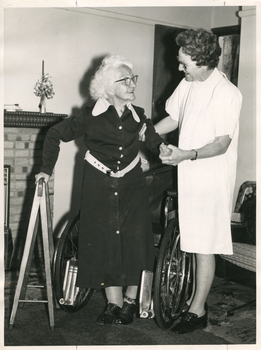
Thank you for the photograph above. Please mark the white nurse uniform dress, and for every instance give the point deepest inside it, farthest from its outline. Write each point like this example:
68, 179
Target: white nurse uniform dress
205, 110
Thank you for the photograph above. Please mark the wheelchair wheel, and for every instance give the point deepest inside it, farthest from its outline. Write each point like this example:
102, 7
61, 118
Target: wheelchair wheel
66, 253
172, 278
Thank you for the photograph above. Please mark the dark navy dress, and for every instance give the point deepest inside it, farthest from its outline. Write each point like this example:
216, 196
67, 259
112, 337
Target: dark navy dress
116, 239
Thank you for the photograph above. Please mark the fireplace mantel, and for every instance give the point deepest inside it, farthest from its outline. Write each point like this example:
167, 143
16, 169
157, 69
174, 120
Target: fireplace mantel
25, 119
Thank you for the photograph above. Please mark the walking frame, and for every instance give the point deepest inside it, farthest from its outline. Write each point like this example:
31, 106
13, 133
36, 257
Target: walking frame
41, 205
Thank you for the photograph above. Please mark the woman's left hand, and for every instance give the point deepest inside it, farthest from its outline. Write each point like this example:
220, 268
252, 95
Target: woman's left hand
175, 157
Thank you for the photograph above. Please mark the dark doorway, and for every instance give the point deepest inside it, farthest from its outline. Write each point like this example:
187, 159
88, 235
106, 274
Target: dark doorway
166, 77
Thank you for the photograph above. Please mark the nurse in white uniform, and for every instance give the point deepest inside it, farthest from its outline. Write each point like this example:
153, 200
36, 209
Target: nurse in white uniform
205, 107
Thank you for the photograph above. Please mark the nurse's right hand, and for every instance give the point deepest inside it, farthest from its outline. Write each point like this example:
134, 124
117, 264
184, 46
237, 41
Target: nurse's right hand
45, 176
174, 158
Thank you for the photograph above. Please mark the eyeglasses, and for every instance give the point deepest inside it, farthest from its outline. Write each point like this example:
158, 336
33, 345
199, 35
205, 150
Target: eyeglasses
184, 65
128, 80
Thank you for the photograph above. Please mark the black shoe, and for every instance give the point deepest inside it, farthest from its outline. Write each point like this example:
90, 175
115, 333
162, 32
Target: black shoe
126, 314
190, 322
109, 314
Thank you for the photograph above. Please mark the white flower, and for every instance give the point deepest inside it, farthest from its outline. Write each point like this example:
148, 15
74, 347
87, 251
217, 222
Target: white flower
44, 86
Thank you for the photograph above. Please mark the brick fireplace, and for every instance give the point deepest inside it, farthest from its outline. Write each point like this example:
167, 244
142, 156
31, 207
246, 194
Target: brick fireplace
24, 134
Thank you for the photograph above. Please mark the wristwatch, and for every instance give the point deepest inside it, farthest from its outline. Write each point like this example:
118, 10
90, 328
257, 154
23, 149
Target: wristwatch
196, 155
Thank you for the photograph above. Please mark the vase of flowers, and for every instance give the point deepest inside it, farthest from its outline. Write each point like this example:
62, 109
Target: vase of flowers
43, 89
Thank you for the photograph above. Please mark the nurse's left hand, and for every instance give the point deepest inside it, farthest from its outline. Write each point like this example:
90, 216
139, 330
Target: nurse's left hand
174, 158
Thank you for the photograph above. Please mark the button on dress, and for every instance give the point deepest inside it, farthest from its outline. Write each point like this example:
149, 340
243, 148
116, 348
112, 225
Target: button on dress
205, 110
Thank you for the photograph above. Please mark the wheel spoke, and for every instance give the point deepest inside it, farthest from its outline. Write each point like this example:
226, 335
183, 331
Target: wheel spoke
171, 278
67, 250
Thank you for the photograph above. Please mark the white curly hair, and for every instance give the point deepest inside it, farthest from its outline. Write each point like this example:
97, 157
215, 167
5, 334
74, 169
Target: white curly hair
102, 81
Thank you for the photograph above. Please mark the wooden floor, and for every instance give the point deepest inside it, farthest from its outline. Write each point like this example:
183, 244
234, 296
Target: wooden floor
31, 327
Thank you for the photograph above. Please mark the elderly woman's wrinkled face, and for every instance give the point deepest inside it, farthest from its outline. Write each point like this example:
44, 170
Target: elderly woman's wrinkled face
122, 92
191, 70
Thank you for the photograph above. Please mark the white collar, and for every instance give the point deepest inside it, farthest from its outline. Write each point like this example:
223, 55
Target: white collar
102, 105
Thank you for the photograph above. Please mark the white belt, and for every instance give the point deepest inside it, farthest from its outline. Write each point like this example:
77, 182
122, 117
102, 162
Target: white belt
103, 168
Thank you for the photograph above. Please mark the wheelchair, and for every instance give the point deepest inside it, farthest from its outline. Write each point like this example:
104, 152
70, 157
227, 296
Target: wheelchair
172, 277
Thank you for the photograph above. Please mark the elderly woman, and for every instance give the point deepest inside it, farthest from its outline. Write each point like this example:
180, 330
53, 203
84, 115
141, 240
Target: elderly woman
116, 239
205, 107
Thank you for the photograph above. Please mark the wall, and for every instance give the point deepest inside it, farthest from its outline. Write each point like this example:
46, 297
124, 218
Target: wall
71, 43
246, 169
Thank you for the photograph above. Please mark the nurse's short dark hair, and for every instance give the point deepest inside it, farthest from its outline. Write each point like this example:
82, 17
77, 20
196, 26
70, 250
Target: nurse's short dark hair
201, 45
